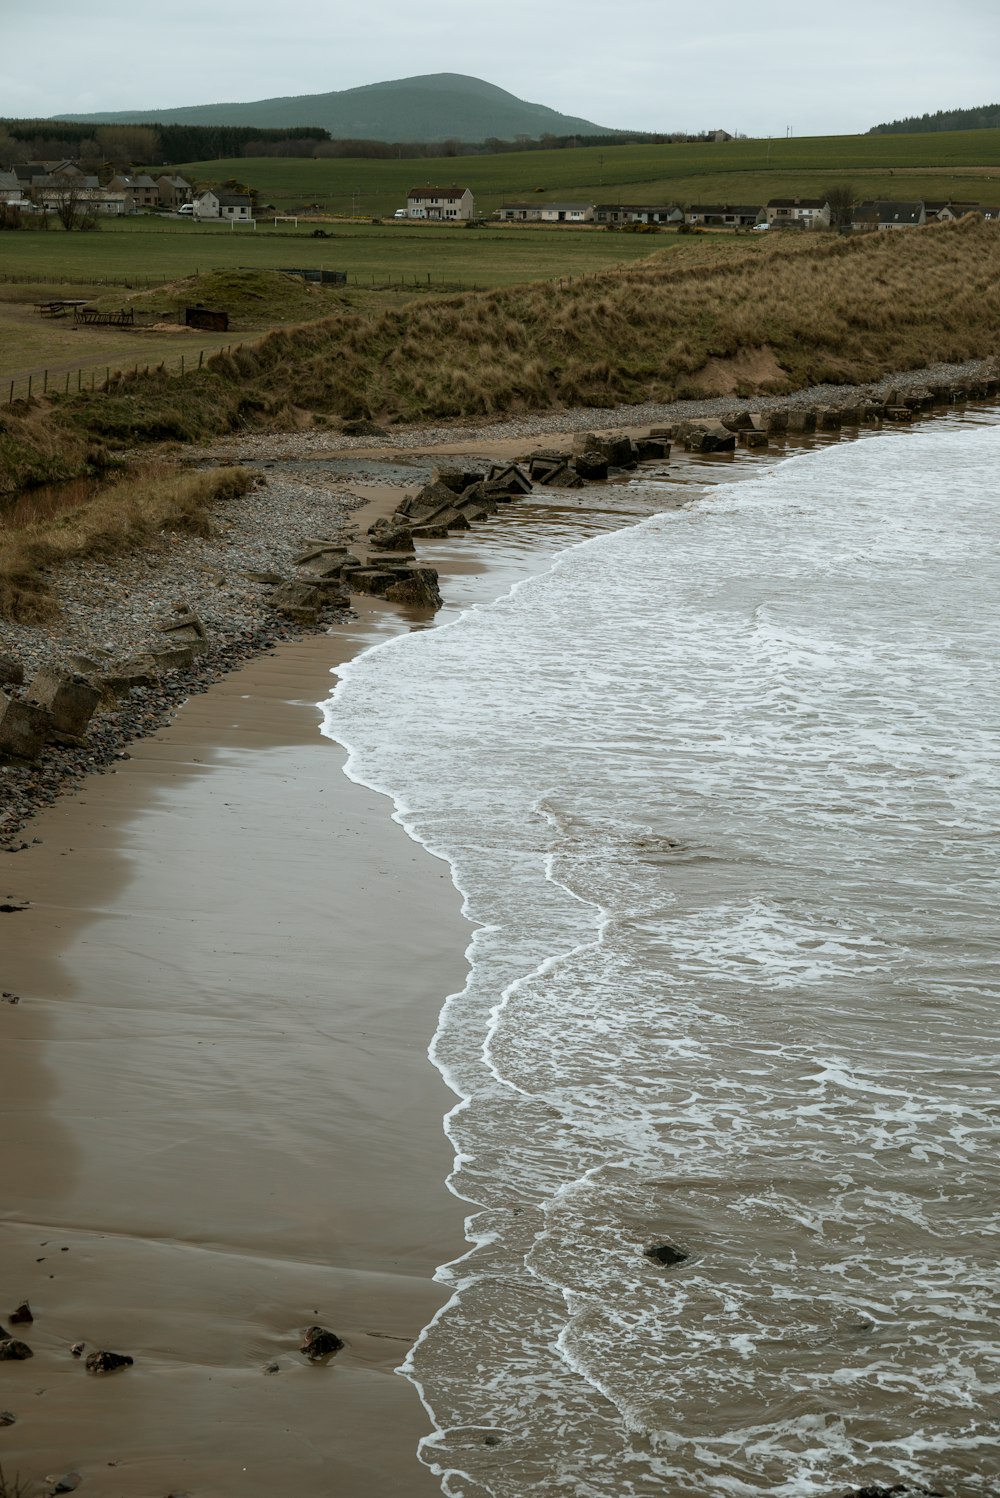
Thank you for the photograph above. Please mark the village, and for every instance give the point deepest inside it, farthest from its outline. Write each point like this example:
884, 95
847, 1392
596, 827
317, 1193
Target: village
48, 187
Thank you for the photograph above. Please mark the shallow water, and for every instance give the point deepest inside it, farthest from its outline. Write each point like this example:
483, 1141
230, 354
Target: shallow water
720, 793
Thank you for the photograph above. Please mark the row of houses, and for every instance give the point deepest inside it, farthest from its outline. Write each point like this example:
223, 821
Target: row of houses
797, 213
48, 184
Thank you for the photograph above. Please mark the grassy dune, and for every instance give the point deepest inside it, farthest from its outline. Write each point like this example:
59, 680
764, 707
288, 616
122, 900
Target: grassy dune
772, 317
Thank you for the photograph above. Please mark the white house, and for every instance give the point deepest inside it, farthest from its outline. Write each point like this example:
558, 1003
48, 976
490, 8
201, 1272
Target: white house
546, 213
811, 213
231, 207
448, 204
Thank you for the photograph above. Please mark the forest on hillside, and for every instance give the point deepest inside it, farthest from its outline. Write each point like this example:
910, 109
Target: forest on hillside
983, 117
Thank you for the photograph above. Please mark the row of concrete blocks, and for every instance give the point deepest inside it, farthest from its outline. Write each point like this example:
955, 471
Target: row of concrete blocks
56, 706
332, 573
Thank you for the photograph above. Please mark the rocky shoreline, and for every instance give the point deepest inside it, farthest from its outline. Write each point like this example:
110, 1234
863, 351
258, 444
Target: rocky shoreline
114, 610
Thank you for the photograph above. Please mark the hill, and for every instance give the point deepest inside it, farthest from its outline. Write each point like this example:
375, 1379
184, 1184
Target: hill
434, 106
983, 117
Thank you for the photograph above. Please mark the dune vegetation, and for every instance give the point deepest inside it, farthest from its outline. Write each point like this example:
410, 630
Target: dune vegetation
817, 308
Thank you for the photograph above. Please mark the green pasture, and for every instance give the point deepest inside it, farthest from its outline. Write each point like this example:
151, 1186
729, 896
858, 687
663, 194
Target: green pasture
950, 164
150, 250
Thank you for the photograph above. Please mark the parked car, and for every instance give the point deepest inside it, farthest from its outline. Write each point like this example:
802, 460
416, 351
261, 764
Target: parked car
186, 209
400, 213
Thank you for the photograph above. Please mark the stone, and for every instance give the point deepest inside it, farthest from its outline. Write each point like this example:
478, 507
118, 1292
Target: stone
77, 1348
652, 449
449, 517
801, 421
426, 500
591, 465
457, 479
173, 657
69, 697
828, 419
618, 451
417, 588
388, 535
663, 434
666, 1254
22, 1315
561, 476
363, 428
738, 421
429, 532
898, 413
11, 672
300, 602
585, 442
267, 579
707, 437
319, 1343
753, 438
871, 412
68, 1483
24, 727
186, 627
139, 672
107, 1362
323, 561
850, 416
776, 420
507, 478
13, 1351
6, 1418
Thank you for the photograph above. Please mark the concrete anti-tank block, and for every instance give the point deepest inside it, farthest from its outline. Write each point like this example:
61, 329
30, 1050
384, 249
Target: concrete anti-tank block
24, 727
69, 697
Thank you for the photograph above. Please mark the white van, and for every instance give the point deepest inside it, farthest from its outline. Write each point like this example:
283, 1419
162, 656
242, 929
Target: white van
186, 209
400, 213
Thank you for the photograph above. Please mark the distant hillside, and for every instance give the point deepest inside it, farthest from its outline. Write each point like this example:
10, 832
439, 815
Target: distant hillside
434, 107
984, 117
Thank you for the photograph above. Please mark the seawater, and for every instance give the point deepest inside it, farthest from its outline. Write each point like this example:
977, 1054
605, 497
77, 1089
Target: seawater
720, 793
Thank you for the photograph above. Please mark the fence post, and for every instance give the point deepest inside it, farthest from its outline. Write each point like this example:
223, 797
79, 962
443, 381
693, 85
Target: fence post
11, 401
201, 358
67, 382
79, 381
45, 383
182, 364
29, 387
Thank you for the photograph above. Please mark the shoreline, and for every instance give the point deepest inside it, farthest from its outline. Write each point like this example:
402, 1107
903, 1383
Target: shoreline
156, 1018
340, 506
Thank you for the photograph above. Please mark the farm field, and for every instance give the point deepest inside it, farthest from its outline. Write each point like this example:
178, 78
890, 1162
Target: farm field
384, 263
952, 164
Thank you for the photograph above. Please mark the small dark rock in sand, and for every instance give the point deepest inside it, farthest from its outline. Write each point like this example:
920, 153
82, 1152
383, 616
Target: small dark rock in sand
107, 1362
8, 908
77, 1348
23, 1312
666, 1253
68, 1483
6, 1418
13, 1351
318, 1343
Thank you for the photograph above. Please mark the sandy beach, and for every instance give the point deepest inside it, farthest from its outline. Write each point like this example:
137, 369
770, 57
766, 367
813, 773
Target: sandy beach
221, 1123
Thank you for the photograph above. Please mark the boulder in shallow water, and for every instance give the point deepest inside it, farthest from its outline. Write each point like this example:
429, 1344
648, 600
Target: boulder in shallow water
11, 672
107, 1362
666, 1254
319, 1343
13, 1351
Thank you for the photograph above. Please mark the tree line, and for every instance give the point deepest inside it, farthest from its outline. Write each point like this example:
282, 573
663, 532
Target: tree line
122, 146
983, 117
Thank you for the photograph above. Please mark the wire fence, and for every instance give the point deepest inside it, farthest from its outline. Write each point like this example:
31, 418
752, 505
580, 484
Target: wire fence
41, 383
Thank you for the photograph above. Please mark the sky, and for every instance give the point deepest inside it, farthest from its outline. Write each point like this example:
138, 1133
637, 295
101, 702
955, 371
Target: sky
753, 67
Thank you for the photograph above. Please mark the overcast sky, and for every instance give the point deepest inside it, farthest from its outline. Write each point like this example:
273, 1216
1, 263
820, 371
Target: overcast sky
759, 67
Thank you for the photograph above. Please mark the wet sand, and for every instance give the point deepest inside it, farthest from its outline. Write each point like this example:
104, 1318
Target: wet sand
221, 1124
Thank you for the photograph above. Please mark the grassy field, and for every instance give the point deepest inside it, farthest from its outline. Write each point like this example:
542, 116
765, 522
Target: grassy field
770, 313
145, 258
951, 164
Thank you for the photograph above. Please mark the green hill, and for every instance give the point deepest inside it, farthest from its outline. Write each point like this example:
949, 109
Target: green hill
435, 106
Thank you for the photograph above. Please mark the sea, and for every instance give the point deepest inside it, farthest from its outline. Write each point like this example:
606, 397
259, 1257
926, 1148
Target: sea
718, 788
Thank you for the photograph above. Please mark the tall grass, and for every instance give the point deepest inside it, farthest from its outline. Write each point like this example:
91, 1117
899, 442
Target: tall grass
133, 511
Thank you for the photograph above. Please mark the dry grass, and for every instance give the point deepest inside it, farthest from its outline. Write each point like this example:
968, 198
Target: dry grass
799, 310
122, 516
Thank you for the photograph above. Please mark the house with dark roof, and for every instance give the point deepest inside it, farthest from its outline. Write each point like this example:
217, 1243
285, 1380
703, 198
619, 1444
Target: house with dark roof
805, 213
10, 188
444, 204
141, 190
173, 191
231, 207
638, 213
724, 215
885, 213
546, 213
